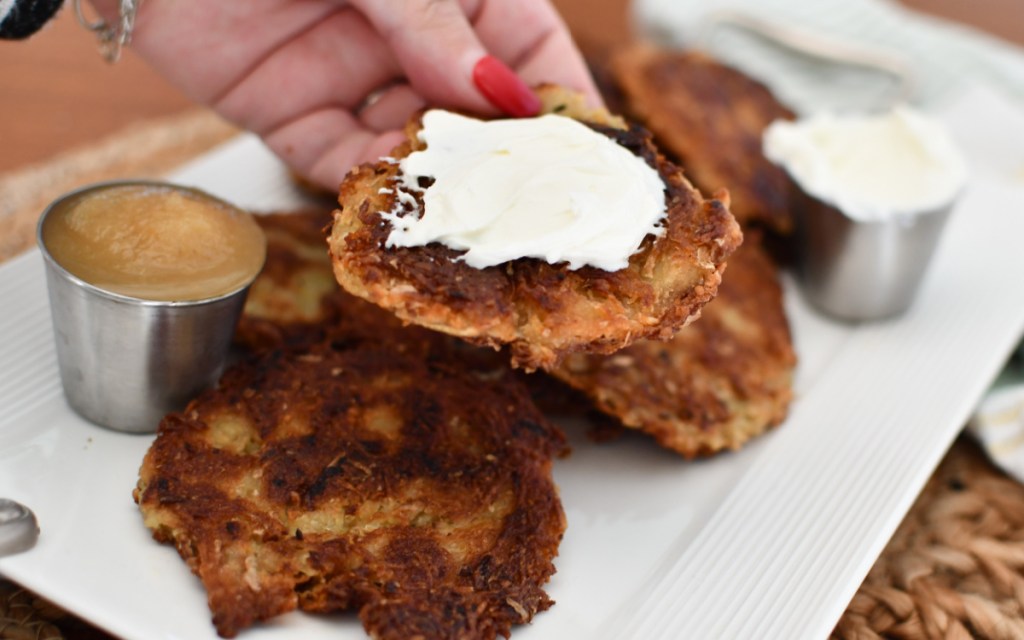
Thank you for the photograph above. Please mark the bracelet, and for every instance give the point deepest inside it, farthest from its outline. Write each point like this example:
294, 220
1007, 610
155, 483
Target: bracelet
112, 37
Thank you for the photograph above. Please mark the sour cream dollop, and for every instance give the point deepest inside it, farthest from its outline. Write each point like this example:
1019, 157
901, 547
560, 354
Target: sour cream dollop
549, 188
870, 167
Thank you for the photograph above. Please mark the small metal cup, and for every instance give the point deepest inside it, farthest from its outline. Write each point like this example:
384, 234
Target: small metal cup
863, 270
126, 362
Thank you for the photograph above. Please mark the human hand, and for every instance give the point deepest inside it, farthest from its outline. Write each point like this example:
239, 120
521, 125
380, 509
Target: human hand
328, 84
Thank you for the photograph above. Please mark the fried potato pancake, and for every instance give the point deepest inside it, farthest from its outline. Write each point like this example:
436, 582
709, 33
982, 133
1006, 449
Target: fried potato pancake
709, 118
296, 302
353, 477
721, 381
291, 300
731, 370
542, 311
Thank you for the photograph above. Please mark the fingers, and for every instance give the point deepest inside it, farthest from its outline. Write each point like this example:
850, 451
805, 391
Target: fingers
331, 168
206, 48
531, 37
504, 89
337, 61
436, 46
391, 108
556, 60
441, 55
323, 145
295, 71
445, 57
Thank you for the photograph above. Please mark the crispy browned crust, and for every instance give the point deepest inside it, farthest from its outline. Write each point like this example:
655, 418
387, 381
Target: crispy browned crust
296, 302
542, 311
352, 477
291, 300
718, 383
709, 118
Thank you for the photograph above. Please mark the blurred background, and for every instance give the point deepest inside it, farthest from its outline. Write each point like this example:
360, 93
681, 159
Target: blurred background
56, 93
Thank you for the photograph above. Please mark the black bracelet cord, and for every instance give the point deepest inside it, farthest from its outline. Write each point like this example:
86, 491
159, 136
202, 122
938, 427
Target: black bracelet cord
26, 17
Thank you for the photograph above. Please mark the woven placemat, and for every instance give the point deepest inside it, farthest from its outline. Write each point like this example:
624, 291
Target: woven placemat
954, 569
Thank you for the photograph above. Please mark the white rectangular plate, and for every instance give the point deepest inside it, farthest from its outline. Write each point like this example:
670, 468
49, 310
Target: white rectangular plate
770, 542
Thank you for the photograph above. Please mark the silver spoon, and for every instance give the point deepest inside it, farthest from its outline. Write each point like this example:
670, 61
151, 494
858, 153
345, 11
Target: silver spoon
19, 529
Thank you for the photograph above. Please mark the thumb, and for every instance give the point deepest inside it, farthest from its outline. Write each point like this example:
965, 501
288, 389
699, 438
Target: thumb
444, 60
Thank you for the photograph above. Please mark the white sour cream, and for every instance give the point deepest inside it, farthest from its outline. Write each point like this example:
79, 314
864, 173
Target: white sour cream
870, 167
549, 188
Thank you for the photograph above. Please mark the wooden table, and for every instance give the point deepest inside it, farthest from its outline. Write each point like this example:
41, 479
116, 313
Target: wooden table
56, 93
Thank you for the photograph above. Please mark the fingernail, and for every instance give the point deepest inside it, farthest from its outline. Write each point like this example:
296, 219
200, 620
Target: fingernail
504, 89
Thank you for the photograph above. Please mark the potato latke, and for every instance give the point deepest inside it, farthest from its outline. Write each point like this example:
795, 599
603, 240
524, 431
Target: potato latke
709, 118
721, 381
542, 311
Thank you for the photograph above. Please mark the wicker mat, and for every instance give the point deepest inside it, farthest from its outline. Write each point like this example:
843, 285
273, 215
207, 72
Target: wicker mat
954, 569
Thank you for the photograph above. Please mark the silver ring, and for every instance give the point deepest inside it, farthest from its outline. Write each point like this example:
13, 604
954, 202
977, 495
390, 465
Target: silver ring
112, 38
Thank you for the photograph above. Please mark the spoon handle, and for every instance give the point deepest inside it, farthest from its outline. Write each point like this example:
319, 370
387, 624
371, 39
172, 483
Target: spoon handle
19, 529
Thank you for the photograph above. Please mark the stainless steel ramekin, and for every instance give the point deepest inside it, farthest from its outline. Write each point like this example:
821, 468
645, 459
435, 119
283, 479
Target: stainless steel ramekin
126, 362
863, 270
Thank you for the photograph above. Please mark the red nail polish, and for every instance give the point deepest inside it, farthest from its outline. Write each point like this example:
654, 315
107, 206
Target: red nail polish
504, 89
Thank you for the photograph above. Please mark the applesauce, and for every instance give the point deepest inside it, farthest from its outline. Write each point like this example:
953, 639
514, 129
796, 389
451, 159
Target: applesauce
155, 242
